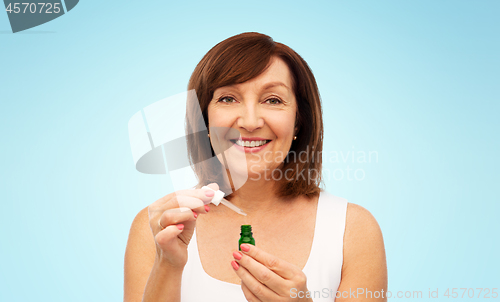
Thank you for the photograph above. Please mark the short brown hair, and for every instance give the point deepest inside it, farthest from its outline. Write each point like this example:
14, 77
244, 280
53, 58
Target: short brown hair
241, 58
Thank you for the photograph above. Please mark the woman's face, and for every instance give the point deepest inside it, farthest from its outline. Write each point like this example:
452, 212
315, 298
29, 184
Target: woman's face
263, 111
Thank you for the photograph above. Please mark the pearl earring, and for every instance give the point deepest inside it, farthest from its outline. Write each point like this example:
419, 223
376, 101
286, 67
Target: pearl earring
209, 135
295, 137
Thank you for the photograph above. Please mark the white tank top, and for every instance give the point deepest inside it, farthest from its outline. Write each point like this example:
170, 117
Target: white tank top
323, 268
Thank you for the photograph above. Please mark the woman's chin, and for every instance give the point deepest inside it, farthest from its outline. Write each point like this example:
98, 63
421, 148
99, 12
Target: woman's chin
258, 172
250, 172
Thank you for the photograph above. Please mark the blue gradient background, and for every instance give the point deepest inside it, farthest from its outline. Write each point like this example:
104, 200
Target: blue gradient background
415, 81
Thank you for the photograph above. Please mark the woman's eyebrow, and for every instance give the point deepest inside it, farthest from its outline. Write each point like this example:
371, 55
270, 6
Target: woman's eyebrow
265, 87
274, 84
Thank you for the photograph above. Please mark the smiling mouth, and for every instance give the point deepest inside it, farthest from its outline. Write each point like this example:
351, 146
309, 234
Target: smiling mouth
250, 144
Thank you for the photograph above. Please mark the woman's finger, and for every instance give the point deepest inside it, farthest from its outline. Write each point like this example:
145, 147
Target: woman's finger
281, 267
184, 201
167, 237
256, 288
214, 186
263, 274
248, 294
170, 200
192, 203
176, 216
180, 201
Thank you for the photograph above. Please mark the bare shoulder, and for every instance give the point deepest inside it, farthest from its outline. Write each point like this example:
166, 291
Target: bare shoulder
360, 223
141, 238
364, 263
141, 218
362, 233
139, 256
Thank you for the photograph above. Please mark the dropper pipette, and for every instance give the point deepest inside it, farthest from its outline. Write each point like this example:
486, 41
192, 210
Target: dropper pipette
218, 198
233, 207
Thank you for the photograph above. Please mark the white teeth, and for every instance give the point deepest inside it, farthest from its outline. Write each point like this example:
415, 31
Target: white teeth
250, 144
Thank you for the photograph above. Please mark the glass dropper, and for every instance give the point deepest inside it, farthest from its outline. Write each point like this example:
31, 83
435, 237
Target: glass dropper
219, 198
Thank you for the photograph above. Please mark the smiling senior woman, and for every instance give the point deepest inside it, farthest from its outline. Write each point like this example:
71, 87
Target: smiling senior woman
311, 245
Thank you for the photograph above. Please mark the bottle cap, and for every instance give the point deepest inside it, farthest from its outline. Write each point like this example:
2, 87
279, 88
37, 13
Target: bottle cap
217, 197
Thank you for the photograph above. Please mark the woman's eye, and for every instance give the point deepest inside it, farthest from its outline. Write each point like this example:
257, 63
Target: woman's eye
227, 99
274, 101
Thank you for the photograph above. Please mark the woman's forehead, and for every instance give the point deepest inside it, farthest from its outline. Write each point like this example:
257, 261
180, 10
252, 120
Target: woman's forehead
276, 76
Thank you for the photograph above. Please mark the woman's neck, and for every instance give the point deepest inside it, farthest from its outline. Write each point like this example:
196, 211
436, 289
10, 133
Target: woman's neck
259, 197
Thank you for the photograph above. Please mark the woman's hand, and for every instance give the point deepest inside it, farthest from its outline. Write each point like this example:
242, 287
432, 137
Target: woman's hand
172, 219
265, 277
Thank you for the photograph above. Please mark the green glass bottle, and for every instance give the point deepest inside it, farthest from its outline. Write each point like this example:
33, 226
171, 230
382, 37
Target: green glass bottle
246, 236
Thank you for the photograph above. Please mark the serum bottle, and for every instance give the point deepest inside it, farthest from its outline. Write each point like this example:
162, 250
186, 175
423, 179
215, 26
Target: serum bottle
246, 236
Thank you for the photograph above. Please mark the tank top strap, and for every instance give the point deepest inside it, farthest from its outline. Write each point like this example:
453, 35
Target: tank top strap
324, 267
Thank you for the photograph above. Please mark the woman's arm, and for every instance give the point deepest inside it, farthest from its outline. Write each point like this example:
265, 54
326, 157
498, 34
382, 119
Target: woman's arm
364, 269
147, 278
157, 246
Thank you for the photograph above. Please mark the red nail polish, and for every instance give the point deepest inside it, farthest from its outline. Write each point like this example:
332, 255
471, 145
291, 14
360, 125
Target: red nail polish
235, 265
195, 214
207, 208
245, 247
237, 255
180, 226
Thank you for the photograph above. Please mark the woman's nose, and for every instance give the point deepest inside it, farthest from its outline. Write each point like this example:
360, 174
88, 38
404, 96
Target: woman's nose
250, 119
